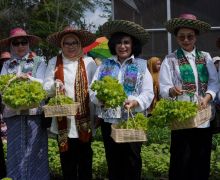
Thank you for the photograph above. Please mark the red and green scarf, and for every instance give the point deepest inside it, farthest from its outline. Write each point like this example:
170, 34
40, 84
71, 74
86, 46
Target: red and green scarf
186, 72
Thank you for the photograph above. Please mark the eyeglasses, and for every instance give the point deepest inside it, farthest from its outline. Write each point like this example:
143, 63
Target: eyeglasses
189, 37
17, 43
69, 44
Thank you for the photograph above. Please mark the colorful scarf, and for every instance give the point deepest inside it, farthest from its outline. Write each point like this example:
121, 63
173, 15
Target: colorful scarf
81, 96
187, 76
111, 68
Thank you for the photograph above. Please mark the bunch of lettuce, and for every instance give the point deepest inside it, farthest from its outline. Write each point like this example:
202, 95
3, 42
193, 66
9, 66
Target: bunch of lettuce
4, 79
24, 94
166, 111
109, 91
139, 122
60, 100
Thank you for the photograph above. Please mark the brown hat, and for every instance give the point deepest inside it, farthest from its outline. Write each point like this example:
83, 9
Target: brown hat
125, 26
19, 32
188, 21
85, 37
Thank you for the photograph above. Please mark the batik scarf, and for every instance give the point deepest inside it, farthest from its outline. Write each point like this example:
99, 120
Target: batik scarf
81, 96
187, 76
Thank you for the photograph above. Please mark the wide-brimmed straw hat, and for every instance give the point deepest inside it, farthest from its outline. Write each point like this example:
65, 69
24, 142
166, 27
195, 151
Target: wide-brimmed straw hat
5, 55
85, 37
19, 32
188, 21
128, 27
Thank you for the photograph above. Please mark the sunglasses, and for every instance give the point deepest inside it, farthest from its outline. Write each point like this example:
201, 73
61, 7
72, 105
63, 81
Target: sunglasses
189, 37
68, 44
17, 43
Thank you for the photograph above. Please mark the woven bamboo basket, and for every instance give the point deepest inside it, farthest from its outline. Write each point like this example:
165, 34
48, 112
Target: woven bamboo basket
201, 117
127, 135
61, 110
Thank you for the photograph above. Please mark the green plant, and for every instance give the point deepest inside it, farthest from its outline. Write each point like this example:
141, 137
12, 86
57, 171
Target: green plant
4, 79
155, 160
60, 100
109, 91
139, 122
23, 93
54, 157
166, 111
99, 166
158, 135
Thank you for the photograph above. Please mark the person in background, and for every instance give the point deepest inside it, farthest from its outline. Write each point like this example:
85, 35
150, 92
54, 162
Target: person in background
73, 73
27, 145
189, 74
153, 65
126, 39
4, 57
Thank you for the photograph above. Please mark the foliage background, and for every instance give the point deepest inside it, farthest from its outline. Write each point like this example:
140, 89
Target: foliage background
43, 17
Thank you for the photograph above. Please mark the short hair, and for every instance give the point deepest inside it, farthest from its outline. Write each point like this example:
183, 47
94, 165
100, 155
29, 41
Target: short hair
117, 37
177, 29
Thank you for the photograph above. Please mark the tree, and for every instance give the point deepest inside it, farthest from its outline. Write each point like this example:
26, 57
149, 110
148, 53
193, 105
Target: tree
43, 17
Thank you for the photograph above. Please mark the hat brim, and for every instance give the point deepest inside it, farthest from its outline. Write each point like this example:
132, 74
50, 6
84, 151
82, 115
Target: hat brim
175, 23
85, 37
127, 27
33, 40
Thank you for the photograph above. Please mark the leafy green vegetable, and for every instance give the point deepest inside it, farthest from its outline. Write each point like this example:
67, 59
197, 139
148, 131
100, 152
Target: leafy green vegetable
167, 111
60, 100
109, 91
139, 122
4, 79
23, 93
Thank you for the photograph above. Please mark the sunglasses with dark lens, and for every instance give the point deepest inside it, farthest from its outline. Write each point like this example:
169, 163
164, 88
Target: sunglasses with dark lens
17, 43
190, 37
68, 44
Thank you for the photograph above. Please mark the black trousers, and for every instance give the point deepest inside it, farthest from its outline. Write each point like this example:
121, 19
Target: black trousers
123, 159
190, 154
2, 161
76, 163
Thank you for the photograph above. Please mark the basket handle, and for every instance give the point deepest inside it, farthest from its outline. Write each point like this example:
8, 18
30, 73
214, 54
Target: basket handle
129, 112
9, 82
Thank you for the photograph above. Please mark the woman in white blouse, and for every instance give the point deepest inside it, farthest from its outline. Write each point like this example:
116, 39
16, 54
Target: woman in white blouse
73, 73
185, 75
125, 43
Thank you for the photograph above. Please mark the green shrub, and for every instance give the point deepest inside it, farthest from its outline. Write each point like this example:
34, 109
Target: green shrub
155, 160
